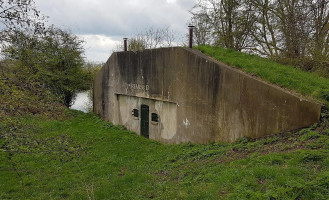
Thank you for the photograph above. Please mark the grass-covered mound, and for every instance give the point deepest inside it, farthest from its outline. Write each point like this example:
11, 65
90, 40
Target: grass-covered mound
50, 152
84, 157
292, 78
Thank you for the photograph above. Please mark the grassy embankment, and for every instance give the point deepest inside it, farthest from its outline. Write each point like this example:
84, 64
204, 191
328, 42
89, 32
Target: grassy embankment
291, 78
84, 157
48, 152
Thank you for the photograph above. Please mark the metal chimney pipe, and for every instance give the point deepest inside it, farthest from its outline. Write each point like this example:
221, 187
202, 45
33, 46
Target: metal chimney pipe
125, 43
191, 35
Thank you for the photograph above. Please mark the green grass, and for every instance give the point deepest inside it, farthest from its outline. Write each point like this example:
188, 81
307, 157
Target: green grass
84, 157
304, 83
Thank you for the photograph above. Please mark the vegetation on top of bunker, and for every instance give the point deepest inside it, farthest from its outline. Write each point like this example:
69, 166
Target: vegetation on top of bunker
289, 77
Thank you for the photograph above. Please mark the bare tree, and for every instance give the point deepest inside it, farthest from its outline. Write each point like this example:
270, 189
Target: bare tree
227, 22
20, 13
203, 30
264, 34
168, 37
293, 21
320, 22
291, 31
151, 38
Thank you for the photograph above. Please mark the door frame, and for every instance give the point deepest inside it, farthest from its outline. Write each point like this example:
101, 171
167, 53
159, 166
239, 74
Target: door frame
145, 122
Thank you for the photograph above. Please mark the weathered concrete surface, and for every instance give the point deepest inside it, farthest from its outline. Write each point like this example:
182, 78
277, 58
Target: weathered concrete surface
197, 98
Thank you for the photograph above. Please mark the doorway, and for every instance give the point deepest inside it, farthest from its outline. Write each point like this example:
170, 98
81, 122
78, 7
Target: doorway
145, 121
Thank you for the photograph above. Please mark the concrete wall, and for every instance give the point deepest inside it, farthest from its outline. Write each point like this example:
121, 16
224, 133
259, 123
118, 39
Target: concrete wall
163, 130
197, 98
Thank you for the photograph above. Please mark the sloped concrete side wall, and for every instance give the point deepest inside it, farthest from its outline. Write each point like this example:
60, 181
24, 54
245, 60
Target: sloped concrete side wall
213, 102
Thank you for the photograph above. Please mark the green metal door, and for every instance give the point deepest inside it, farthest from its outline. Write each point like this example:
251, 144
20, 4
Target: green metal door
145, 121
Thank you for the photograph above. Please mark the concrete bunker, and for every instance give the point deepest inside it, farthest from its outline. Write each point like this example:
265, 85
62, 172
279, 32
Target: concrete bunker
179, 95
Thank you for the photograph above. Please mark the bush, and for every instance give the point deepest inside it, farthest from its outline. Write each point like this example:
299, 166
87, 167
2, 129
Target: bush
53, 59
19, 95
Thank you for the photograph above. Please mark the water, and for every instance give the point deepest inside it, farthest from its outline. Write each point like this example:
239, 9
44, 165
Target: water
82, 102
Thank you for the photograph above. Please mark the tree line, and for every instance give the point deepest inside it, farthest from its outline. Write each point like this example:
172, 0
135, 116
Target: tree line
47, 55
294, 32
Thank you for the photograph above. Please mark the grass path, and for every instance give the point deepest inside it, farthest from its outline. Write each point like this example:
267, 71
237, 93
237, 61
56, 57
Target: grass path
87, 158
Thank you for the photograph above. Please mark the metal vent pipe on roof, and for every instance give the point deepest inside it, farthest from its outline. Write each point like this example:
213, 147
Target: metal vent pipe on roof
125, 43
191, 35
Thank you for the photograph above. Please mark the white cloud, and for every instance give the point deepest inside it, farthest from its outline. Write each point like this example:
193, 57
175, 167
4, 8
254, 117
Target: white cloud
98, 47
171, 1
115, 18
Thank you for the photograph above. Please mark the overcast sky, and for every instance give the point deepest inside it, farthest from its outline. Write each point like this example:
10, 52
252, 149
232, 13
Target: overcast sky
103, 23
